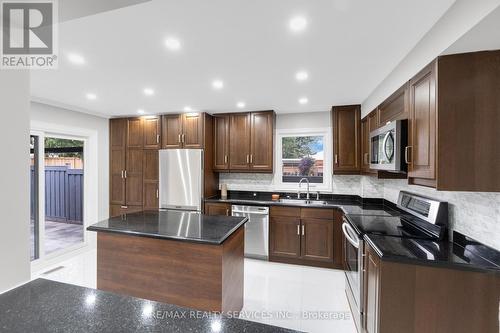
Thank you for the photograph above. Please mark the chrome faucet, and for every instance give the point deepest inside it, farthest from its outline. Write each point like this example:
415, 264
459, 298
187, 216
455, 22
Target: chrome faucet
300, 183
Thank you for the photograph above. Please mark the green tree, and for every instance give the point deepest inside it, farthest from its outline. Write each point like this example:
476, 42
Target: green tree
63, 143
298, 146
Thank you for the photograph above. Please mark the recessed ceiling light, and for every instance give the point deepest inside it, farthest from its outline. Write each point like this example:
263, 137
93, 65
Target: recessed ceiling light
187, 109
76, 59
298, 23
148, 92
301, 75
303, 100
218, 84
141, 111
91, 96
173, 44
240, 105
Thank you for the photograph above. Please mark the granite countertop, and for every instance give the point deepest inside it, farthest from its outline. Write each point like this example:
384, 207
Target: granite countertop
433, 253
173, 224
347, 203
47, 306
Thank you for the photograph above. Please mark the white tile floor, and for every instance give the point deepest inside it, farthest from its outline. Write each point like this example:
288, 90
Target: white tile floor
284, 295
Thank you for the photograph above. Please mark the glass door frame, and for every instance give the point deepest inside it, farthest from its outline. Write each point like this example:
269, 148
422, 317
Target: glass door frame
42, 256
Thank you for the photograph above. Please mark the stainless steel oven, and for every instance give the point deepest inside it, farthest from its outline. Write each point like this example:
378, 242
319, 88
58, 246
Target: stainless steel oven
353, 265
388, 147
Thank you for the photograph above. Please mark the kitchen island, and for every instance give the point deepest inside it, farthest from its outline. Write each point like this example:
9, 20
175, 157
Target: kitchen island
177, 257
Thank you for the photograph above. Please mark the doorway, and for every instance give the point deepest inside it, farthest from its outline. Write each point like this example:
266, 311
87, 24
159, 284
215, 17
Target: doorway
57, 195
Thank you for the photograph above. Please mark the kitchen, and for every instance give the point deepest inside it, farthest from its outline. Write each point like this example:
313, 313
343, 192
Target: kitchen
372, 212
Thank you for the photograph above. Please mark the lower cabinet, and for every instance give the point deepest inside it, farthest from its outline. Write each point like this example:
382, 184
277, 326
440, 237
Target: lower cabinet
217, 208
305, 236
410, 298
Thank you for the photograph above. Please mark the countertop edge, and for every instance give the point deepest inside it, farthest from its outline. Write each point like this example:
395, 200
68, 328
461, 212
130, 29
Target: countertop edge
179, 239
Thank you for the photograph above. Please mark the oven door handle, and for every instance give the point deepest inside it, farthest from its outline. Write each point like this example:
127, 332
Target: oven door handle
348, 236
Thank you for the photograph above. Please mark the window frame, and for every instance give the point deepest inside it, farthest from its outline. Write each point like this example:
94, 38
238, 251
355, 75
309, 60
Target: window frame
327, 162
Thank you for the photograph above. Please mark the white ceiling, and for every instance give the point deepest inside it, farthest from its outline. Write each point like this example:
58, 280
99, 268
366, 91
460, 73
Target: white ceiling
348, 48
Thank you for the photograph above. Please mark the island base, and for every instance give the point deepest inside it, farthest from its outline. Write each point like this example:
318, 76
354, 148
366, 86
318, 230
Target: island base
195, 275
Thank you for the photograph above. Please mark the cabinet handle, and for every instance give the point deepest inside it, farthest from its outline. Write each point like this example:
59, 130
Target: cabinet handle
125, 173
122, 175
336, 159
180, 138
407, 154
225, 159
123, 207
157, 193
158, 138
227, 211
183, 138
298, 229
251, 158
248, 159
303, 230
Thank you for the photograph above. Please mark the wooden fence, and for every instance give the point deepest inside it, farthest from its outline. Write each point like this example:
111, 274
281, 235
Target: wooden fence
63, 194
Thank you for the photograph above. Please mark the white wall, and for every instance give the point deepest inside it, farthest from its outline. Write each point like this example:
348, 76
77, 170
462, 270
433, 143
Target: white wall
14, 176
459, 19
55, 117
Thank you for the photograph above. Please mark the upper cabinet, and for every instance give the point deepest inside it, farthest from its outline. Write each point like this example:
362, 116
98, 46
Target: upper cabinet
221, 142
395, 107
454, 119
346, 139
244, 142
183, 130
135, 133
152, 132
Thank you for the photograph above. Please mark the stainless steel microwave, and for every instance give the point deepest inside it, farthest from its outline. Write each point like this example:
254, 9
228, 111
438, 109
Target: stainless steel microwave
387, 146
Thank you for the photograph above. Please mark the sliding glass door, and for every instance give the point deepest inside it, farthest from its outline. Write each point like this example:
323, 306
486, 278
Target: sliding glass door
57, 195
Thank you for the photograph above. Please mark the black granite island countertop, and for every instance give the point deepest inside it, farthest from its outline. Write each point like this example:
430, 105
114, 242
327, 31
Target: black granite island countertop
174, 225
47, 306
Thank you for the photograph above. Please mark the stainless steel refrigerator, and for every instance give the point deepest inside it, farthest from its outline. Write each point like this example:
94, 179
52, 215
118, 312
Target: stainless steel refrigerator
181, 179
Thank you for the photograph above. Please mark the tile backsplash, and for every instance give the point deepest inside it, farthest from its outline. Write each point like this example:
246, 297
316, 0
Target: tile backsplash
475, 214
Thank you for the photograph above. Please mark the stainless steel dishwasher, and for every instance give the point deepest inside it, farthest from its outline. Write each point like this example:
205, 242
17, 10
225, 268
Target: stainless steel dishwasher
256, 230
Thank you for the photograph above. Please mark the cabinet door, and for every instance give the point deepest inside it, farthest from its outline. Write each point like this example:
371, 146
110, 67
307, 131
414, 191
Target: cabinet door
152, 129
133, 177
346, 139
262, 141
150, 179
338, 236
365, 145
135, 133
117, 163
171, 131
216, 208
371, 292
423, 121
317, 239
395, 107
239, 143
284, 237
117, 210
192, 130
221, 142
373, 120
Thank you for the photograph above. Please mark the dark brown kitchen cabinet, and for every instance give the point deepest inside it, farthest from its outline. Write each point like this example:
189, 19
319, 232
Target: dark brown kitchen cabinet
117, 210
405, 297
150, 179
152, 132
117, 163
221, 142
305, 236
423, 122
373, 120
284, 237
217, 208
135, 133
346, 139
395, 107
365, 146
261, 141
183, 130
133, 177
239, 141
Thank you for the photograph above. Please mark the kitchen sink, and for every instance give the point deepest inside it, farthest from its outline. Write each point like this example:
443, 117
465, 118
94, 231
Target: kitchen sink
303, 202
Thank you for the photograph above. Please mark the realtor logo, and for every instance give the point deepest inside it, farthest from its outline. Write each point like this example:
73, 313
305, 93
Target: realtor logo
29, 34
